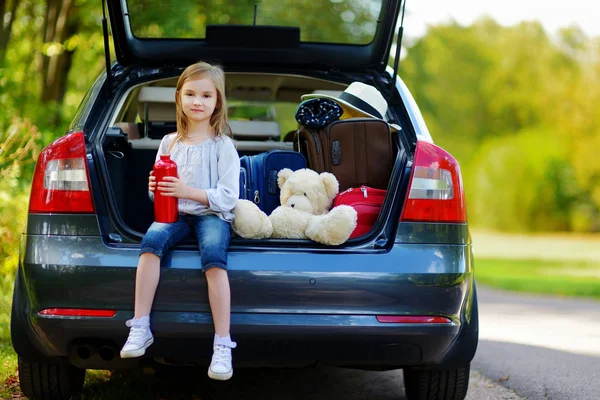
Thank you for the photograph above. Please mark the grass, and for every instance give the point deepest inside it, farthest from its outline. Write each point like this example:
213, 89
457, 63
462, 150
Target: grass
576, 279
540, 246
8, 358
558, 263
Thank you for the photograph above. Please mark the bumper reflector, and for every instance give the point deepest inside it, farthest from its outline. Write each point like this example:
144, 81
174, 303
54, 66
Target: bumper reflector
78, 312
412, 319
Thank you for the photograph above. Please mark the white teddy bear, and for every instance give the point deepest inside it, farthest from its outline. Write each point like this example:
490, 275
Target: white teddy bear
305, 198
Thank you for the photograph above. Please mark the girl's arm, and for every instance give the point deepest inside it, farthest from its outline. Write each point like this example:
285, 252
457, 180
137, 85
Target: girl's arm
224, 197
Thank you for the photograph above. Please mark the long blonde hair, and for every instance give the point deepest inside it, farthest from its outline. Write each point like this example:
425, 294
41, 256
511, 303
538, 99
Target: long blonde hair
218, 119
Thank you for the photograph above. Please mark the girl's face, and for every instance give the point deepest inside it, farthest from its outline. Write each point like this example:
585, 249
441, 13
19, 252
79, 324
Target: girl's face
198, 99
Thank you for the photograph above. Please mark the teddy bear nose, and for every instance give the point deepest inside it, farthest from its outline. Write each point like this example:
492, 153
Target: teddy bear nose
292, 205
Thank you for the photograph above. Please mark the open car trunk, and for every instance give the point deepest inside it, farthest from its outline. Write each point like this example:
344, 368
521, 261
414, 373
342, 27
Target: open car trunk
319, 34
131, 140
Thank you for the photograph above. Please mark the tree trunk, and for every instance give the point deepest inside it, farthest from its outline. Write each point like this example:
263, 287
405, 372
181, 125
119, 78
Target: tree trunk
60, 23
6, 26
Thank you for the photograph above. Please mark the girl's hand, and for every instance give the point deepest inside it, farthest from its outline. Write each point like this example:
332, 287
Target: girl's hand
151, 182
172, 186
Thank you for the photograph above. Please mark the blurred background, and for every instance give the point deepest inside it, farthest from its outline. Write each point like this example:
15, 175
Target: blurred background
509, 88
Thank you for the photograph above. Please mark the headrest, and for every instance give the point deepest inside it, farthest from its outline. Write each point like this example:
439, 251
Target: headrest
160, 102
254, 130
157, 94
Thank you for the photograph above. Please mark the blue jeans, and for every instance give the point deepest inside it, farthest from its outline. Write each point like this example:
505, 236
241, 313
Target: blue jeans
212, 234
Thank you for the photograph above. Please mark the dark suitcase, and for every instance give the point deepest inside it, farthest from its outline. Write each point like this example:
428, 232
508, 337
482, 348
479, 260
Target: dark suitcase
261, 172
358, 151
367, 202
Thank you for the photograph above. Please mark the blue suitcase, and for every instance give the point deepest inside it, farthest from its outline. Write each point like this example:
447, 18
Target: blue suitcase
261, 176
243, 180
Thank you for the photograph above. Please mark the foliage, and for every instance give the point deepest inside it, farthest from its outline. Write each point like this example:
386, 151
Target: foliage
526, 179
482, 87
18, 151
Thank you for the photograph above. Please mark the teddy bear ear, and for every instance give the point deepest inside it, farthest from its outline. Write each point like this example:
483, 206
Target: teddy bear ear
331, 184
283, 176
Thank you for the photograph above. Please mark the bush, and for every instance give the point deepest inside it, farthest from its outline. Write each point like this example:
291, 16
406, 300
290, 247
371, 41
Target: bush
522, 182
18, 152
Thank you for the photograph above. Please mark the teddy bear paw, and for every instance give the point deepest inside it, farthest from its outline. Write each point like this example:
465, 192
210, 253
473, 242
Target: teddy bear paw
250, 222
335, 228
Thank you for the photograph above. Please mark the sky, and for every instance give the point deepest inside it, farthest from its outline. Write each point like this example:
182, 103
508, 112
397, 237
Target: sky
553, 14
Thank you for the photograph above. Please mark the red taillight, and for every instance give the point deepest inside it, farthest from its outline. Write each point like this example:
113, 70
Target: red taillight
412, 319
60, 182
436, 190
78, 312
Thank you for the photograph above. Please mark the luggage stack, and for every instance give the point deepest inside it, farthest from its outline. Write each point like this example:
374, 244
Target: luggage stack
259, 184
360, 152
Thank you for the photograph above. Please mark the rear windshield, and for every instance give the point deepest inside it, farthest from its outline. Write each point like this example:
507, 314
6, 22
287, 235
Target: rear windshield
323, 21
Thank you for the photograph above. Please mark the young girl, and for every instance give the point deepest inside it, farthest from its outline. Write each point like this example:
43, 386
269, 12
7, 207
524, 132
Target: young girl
207, 188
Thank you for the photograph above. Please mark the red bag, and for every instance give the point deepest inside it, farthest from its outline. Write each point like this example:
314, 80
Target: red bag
367, 202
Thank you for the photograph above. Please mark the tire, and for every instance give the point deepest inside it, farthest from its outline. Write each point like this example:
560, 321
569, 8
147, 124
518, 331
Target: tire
436, 384
45, 381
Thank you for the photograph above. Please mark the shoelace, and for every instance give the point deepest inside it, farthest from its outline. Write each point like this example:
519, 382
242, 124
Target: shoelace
136, 334
221, 355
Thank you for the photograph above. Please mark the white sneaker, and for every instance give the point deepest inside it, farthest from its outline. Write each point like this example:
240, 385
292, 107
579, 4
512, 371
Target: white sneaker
220, 366
140, 338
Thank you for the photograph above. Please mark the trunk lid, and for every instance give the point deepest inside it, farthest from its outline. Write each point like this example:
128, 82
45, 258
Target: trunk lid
341, 34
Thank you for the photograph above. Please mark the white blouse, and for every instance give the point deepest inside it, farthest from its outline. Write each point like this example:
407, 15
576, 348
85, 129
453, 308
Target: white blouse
213, 165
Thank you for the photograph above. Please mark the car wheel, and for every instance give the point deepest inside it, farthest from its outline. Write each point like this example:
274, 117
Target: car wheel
436, 384
40, 380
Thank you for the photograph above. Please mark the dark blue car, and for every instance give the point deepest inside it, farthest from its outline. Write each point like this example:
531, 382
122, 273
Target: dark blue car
402, 296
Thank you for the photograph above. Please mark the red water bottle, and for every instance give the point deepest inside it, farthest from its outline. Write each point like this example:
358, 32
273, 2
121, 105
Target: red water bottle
165, 207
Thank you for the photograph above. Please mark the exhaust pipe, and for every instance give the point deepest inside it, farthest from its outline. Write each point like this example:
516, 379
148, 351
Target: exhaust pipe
85, 351
97, 354
107, 353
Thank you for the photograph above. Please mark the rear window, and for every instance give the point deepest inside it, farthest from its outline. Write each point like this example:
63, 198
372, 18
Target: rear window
323, 21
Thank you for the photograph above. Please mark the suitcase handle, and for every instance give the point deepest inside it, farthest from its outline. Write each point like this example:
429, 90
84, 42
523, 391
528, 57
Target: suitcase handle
272, 182
336, 152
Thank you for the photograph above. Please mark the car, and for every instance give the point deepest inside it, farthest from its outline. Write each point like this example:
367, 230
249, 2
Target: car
402, 296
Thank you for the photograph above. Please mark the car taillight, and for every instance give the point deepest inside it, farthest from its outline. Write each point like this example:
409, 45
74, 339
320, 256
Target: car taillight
436, 191
60, 181
78, 312
412, 319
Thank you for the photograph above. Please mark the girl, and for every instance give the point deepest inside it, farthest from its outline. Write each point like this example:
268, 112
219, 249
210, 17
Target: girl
207, 188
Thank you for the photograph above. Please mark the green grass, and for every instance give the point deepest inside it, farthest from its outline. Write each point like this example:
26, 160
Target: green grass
8, 358
537, 246
563, 278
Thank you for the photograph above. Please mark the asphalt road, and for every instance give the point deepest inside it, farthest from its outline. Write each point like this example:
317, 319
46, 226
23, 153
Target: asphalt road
320, 383
533, 347
542, 347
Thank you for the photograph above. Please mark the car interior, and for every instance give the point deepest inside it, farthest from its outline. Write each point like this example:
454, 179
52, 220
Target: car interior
261, 111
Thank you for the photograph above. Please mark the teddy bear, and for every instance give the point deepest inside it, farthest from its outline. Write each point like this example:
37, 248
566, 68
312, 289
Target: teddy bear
304, 213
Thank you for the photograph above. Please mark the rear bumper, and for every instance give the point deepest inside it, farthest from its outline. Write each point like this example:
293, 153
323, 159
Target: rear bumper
263, 339
297, 308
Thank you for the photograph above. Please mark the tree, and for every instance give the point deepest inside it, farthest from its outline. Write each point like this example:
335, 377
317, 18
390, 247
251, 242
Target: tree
60, 23
6, 23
